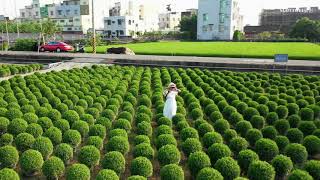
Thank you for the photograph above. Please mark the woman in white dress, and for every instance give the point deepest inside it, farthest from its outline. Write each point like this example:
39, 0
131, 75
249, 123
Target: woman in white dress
170, 107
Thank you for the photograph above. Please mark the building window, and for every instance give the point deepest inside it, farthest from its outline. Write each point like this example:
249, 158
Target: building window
221, 17
204, 29
37, 13
167, 25
129, 22
36, 5
109, 22
67, 12
62, 20
113, 22
221, 28
51, 13
70, 20
59, 12
121, 32
210, 27
119, 21
76, 12
76, 19
205, 17
23, 14
69, 29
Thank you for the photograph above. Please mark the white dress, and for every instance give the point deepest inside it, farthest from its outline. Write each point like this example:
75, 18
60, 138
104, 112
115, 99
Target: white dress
170, 107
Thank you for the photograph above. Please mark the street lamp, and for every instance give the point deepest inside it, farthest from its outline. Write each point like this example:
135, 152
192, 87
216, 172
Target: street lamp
94, 48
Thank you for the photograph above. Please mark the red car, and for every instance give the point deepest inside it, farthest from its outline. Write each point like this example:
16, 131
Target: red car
56, 46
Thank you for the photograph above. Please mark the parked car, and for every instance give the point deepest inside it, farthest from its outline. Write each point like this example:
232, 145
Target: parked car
56, 46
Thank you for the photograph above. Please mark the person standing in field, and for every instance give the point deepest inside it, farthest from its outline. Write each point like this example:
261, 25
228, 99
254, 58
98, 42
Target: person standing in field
170, 107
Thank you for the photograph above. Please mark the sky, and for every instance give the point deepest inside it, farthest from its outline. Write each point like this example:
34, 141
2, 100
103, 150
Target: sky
249, 8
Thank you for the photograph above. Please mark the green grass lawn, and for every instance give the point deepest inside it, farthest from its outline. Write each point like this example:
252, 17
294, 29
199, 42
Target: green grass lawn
308, 51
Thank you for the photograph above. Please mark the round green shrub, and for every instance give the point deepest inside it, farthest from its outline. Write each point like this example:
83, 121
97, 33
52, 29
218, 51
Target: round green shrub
44, 146
312, 144
217, 151
238, 144
177, 118
53, 168
144, 128
294, 120
115, 161
45, 122
140, 117
54, 115
257, 122
24, 141
211, 138
221, 125
17, 126
88, 118
266, 149
98, 130
9, 156
272, 117
197, 161
4, 122
246, 157
64, 152
141, 166
253, 135
209, 173
313, 168
72, 137
122, 124
118, 143
8, 174
141, 139
136, 177
35, 130
95, 141
144, 150
13, 113
118, 132
191, 145
299, 175
229, 134
282, 126
234, 118
228, 168
198, 122
164, 121
168, 154
89, 156
71, 116
282, 165
261, 170
297, 153
282, 142
31, 161
107, 174
196, 113
205, 128
82, 127
243, 127
307, 114
307, 127
282, 112
189, 133
172, 172
295, 135
165, 139
62, 124
6, 139
269, 132
182, 124
54, 134
77, 172
163, 129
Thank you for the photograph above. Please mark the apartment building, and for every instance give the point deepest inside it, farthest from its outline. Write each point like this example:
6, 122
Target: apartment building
169, 21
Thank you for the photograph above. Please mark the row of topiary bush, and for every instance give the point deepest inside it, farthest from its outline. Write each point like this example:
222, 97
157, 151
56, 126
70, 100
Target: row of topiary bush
10, 69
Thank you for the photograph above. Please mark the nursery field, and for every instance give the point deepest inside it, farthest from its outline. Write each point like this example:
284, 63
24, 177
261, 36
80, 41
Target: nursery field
302, 51
106, 123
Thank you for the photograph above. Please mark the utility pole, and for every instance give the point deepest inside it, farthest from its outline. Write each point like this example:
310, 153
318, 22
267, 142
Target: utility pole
17, 22
8, 40
94, 48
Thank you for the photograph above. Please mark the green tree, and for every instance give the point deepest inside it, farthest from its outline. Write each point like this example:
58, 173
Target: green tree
264, 35
189, 26
90, 39
306, 28
49, 29
238, 36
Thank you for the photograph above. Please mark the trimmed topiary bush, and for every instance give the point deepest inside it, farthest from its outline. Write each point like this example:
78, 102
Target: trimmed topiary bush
4, 122
299, 175
245, 158
217, 151
17, 126
95, 141
163, 129
266, 149
228, 168
144, 150
115, 161
164, 121
71, 116
54, 134
211, 138
189, 133
118, 143
307, 127
221, 125
62, 124
205, 128
295, 135
257, 122
98, 130
282, 142
24, 141
141, 139
122, 124
253, 135
107, 174
269, 132
45, 122
64, 152
82, 127
118, 132
72, 137
297, 153
197, 161
44, 146
306, 114
144, 128
165, 139
77, 172
9, 174
282, 126
282, 112
172, 172
294, 120
312, 144
31, 162
238, 144
191, 145
282, 165
243, 127
35, 130
272, 117
313, 168
9, 156
53, 168
261, 170
229, 134
141, 166
89, 156
6, 139
168, 154
209, 173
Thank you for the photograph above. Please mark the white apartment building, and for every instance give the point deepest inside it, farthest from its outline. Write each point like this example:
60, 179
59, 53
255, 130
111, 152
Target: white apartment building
169, 21
218, 19
73, 16
130, 20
